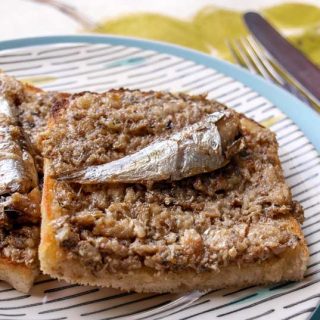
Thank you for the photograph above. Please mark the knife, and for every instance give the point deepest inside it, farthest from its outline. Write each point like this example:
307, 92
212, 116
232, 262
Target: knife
291, 59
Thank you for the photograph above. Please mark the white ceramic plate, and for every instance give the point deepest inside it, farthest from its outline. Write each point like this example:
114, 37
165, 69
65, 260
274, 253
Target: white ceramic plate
100, 63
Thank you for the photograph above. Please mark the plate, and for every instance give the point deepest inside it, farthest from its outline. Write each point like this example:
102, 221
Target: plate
98, 63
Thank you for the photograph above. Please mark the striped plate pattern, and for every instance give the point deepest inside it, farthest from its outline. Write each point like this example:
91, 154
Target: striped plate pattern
97, 67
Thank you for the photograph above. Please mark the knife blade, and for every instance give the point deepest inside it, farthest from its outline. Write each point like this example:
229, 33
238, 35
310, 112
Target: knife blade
291, 59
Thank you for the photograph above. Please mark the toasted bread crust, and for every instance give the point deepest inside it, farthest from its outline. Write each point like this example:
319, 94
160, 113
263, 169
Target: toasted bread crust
19, 276
290, 265
56, 261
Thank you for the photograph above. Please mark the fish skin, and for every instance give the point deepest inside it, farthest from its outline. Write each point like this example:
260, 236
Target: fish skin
17, 170
196, 149
5, 107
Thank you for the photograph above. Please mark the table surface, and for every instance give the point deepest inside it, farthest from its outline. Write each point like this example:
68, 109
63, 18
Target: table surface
29, 18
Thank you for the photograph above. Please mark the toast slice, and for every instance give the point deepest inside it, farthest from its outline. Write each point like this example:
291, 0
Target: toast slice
235, 226
24, 110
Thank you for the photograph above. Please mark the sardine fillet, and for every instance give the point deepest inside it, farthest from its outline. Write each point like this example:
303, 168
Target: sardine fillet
236, 226
195, 150
20, 121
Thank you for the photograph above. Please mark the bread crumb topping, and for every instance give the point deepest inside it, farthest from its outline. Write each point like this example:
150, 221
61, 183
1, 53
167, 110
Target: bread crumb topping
234, 215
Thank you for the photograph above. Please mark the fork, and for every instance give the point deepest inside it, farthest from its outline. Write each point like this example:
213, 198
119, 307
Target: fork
248, 53
164, 310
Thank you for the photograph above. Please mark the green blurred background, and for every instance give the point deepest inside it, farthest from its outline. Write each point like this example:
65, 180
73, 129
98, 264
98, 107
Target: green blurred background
209, 28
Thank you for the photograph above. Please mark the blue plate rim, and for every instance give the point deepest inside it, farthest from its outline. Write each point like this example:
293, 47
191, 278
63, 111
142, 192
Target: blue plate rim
306, 118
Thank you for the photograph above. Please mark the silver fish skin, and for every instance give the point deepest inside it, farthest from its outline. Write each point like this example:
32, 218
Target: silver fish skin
17, 170
198, 148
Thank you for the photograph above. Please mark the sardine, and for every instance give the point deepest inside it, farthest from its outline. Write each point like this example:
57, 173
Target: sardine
17, 169
199, 148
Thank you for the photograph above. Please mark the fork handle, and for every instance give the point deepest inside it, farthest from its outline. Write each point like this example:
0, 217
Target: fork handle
293, 90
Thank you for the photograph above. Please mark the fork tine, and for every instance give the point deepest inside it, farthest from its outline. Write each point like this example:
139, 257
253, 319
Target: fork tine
234, 53
238, 51
272, 66
264, 60
255, 59
248, 53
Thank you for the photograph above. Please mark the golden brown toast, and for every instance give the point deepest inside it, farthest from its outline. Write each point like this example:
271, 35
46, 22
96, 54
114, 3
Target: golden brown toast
232, 227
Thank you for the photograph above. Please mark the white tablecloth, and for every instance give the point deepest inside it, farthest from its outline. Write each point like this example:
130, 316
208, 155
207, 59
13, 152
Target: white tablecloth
25, 18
